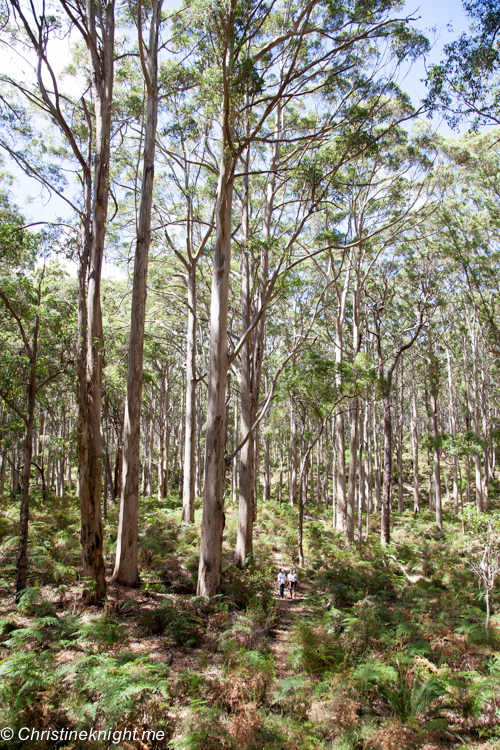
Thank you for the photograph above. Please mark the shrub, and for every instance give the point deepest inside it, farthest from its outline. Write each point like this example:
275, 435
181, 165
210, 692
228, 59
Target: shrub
316, 649
183, 626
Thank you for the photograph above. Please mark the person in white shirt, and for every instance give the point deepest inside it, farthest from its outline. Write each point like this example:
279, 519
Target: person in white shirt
282, 582
293, 585
290, 583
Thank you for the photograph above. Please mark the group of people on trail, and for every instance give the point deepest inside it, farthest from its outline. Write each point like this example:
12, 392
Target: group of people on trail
292, 583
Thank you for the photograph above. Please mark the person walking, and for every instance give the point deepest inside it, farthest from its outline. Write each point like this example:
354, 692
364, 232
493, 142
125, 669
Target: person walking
282, 581
293, 586
290, 583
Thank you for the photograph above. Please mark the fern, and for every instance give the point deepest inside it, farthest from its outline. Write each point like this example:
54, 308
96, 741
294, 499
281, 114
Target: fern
23, 676
114, 686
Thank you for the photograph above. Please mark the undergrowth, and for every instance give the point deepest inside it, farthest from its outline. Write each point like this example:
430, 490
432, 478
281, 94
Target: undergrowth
388, 651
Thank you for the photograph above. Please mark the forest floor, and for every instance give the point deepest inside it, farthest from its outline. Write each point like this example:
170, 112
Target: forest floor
383, 649
289, 611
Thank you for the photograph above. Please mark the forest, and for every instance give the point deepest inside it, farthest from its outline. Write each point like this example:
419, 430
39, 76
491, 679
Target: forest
249, 323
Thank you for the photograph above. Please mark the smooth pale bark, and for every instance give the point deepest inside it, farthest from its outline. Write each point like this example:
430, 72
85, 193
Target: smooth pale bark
210, 565
430, 481
376, 460
354, 421
326, 473
453, 432
385, 521
304, 473
414, 443
385, 378
108, 477
244, 539
362, 487
436, 467
486, 446
97, 27
293, 456
126, 572
436, 471
353, 467
368, 469
400, 447
338, 320
252, 355
340, 521
300, 525
280, 483
256, 475
368, 460
175, 458
163, 434
476, 418
101, 58
334, 476
234, 468
199, 457
180, 475
468, 413
190, 424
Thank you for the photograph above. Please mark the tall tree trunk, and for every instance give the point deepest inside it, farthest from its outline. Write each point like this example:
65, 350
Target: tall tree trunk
436, 471
267, 469
256, 473
22, 550
190, 426
486, 447
199, 453
2, 472
362, 487
430, 482
400, 446
341, 522
150, 457
210, 565
300, 526
108, 485
476, 419
252, 355
368, 459
326, 473
234, 467
293, 456
101, 66
126, 572
385, 522
244, 543
414, 442
453, 432
280, 484
376, 460
351, 487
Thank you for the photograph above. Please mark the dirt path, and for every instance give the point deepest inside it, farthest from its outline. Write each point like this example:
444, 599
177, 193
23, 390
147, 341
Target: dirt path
289, 612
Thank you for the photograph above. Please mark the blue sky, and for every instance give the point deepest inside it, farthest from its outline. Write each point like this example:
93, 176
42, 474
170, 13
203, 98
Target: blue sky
441, 21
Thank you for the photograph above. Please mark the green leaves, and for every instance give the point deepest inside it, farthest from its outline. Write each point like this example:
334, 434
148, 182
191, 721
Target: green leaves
465, 83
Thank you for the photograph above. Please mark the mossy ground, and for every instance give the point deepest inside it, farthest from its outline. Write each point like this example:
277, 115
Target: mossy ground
384, 650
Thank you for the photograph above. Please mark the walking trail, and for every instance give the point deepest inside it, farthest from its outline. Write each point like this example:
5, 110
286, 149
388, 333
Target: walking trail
290, 611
